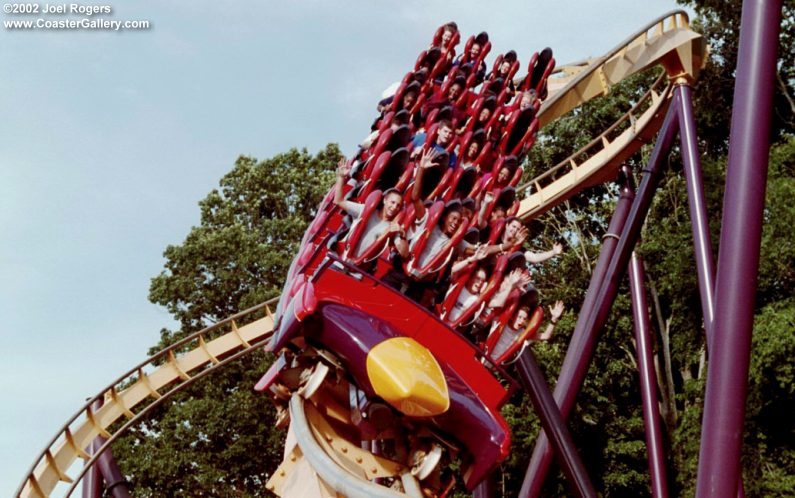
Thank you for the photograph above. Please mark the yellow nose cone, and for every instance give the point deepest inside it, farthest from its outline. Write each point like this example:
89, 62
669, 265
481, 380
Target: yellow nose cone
407, 376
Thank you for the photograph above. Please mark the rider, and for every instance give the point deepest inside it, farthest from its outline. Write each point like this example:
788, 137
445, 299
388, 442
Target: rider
384, 219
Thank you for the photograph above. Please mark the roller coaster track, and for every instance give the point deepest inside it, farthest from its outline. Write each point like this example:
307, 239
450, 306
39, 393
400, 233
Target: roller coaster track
137, 392
667, 42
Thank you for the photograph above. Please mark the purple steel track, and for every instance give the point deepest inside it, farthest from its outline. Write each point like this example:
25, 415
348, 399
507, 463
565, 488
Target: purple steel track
580, 351
738, 261
648, 387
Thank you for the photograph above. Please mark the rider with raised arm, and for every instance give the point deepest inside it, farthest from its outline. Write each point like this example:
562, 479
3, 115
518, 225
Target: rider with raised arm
382, 222
437, 241
519, 321
514, 236
476, 284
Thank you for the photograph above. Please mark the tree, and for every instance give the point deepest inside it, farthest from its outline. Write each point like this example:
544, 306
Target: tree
217, 438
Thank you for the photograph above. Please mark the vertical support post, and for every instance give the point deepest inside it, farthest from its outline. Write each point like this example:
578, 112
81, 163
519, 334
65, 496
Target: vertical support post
702, 242
114, 480
648, 388
580, 352
554, 425
104, 468
92, 482
738, 261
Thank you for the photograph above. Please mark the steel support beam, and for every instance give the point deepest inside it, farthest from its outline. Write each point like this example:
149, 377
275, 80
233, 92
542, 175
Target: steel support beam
719, 467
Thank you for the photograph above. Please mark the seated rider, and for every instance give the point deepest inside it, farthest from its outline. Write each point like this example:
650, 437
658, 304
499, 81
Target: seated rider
439, 99
517, 324
382, 223
444, 136
514, 235
449, 30
473, 56
476, 284
438, 241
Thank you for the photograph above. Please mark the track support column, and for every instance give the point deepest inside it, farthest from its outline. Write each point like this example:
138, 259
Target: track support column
554, 425
648, 388
580, 352
702, 241
738, 261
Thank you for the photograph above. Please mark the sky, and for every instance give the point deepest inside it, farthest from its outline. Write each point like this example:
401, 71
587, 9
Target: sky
108, 140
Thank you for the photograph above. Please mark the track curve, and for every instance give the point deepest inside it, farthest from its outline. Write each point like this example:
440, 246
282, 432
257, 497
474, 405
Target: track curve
668, 42
146, 385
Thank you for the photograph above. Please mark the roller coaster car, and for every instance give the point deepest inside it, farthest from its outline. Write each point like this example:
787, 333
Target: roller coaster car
395, 356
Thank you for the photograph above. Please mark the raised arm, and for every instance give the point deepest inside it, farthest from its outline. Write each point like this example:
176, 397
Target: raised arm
518, 240
458, 266
515, 280
540, 257
427, 161
487, 199
555, 313
342, 172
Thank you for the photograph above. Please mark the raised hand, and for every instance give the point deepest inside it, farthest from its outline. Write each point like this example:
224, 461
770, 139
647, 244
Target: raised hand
557, 249
521, 236
428, 159
526, 280
556, 311
514, 277
343, 168
481, 253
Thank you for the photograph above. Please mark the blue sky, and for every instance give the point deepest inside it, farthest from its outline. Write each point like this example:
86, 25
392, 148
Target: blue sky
109, 139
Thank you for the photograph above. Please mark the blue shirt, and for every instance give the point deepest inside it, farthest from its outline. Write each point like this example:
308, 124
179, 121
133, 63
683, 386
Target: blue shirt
419, 141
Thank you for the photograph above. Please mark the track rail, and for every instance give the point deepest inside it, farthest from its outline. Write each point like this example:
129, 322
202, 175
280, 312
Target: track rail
142, 388
667, 42
600, 159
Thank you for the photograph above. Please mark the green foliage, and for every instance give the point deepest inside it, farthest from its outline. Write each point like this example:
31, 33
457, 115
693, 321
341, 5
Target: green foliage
250, 229
216, 438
